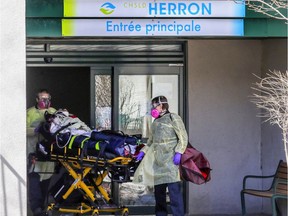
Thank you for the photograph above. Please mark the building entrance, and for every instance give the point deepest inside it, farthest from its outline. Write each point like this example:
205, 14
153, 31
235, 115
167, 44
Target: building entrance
110, 86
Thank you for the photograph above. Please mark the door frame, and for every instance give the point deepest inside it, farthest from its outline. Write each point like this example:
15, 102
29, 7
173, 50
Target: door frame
129, 69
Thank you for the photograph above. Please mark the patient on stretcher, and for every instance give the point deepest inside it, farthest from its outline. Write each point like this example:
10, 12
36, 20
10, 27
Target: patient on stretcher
67, 132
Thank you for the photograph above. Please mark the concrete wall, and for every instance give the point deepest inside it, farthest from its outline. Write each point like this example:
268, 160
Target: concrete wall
12, 109
222, 122
274, 58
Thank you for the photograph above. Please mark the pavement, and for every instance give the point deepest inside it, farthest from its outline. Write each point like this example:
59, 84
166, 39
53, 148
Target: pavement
186, 215
58, 214
29, 213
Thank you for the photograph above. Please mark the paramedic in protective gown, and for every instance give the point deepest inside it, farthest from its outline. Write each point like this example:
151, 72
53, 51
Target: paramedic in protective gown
161, 158
38, 182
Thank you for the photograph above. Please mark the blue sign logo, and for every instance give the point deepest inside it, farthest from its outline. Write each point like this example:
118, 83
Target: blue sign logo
107, 8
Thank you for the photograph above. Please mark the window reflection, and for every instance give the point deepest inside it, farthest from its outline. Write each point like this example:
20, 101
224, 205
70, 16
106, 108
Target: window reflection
135, 94
132, 103
103, 102
137, 195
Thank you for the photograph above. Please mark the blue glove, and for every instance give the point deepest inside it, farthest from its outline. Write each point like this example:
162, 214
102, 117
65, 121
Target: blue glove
140, 156
177, 158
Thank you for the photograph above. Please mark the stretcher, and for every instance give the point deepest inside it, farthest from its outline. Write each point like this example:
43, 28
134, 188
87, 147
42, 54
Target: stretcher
87, 158
85, 174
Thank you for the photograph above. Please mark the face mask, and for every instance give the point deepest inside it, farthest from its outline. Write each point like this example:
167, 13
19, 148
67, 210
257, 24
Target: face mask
43, 103
155, 113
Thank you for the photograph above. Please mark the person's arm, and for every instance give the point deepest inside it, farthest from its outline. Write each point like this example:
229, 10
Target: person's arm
51, 110
148, 144
29, 128
181, 133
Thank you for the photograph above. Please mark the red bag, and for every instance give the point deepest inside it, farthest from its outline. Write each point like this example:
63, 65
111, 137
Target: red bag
194, 166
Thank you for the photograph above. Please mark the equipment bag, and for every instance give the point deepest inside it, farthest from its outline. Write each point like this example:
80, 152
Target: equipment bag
194, 166
63, 182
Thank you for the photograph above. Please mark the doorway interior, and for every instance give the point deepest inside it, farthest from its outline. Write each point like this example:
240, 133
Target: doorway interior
109, 86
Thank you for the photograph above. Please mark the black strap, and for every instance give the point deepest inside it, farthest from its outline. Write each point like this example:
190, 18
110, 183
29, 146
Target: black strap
83, 153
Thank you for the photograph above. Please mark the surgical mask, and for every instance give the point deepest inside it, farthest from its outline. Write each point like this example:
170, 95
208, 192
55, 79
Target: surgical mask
43, 103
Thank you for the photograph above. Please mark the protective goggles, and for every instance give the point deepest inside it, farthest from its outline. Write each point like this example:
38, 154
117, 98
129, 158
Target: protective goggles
154, 105
44, 98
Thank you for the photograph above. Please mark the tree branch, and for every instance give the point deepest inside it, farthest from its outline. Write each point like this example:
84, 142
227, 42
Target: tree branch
272, 98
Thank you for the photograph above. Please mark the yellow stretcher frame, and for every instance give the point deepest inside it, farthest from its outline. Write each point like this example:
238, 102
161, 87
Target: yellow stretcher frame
71, 163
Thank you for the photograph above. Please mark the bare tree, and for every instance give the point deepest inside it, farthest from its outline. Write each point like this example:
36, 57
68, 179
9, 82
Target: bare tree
103, 91
276, 9
128, 108
272, 99
103, 101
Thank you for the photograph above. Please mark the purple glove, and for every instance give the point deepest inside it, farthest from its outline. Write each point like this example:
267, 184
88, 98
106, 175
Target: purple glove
140, 156
177, 158
37, 129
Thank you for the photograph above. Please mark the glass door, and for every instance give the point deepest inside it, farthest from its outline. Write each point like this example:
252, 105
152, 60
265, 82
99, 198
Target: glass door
135, 94
101, 99
122, 96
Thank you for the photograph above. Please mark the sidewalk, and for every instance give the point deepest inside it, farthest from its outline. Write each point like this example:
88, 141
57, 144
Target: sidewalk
186, 215
58, 214
29, 213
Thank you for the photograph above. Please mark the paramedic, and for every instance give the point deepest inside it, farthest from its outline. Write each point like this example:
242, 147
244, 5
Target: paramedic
160, 166
39, 172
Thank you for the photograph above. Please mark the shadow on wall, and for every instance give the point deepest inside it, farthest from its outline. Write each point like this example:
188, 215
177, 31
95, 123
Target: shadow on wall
21, 185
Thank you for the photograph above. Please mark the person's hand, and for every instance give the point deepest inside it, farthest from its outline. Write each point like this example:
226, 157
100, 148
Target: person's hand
37, 129
140, 156
177, 158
